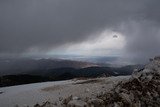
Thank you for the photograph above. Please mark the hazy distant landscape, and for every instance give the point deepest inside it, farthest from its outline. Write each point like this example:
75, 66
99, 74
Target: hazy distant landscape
23, 71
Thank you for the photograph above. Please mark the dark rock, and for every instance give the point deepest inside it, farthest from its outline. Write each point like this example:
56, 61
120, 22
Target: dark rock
95, 103
67, 100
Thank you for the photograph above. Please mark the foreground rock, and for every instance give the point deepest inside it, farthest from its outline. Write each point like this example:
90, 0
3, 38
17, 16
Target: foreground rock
142, 89
77, 103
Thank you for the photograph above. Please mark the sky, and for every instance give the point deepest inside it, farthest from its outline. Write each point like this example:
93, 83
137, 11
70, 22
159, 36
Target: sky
121, 28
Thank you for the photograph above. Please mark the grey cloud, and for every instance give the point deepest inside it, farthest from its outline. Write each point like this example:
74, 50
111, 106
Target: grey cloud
45, 24
143, 40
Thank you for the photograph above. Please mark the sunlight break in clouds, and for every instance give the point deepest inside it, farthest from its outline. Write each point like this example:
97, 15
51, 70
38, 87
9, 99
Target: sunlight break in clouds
103, 44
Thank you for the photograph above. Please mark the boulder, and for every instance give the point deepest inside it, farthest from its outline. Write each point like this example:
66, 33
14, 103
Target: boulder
76, 98
95, 103
77, 103
66, 100
1, 92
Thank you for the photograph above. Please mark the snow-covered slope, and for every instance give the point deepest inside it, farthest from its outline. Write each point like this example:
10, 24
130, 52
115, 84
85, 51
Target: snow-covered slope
29, 95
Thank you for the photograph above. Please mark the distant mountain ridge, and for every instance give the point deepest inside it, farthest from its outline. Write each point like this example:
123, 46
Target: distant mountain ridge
65, 73
25, 65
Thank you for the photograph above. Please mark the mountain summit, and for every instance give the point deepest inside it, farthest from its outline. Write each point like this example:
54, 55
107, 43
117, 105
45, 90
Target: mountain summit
141, 90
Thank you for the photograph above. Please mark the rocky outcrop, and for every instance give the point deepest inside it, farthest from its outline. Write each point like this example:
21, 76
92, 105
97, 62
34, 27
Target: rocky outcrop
142, 89
78, 102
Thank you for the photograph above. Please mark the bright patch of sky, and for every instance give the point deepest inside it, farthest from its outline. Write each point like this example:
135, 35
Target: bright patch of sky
106, 43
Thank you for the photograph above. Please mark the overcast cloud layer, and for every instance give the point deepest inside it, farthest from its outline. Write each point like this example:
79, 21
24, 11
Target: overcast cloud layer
42, 25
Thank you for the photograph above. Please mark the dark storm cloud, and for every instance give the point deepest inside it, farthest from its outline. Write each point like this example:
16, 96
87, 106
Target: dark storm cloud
44, 24
115, 36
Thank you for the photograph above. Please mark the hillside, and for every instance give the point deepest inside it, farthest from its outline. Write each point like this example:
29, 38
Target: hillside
65, 73
55, 92
11, 66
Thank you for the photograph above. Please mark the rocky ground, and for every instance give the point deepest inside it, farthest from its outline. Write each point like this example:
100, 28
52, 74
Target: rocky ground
142, 89
53, 94
83, 92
